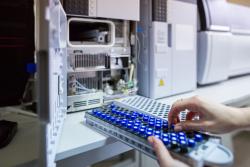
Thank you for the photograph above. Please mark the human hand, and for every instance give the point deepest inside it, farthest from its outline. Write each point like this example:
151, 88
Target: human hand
164, 158
213, 117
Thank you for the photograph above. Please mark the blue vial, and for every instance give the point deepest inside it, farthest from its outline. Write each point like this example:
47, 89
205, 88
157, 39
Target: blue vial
131, 122
137, 121
183, 146
191, 143
181, 134
129, 126
113, 111
165, 141
157, 132
123, 123
112, 119
165, 125
133, 117
165, 122
108, 117
182, 138
173, 138
98, 114
124, 119
140, 115
173, 134
117, 121
158, 126
149, 134
145, 118
164, 135
151, 124
122, 113
198, 138
142, 131
135, 129
94, 111
143, 126
174, 144
112, 105
149, 130
103, 116
136, 124
128, 116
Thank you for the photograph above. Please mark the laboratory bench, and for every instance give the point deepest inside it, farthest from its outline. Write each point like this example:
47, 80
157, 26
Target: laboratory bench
82, 146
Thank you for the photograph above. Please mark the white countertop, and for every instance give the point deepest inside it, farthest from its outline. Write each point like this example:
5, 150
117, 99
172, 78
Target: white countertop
78, 138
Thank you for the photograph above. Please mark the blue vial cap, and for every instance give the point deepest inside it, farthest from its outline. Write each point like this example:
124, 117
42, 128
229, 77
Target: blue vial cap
158, 122
103, 116
182, 138
136, 124
124, 119
157, 132
112, 119
145, 118
158, 119
129, 125
158, 126
108, 117
94, 111
133, 117
140, 115
165, 122
151, 124
128, 116
172, 126
122, 113
98, 114
165, 141
173, 138
157, 136
113, 111
152, 120
173, 135
149, 134
164, 135
183, 143
135, 128
118, 121
198, 137
191, 143
131, 122
143, 126
142, 131
123, 123
137, 121
112, 105
149, 130
181, 134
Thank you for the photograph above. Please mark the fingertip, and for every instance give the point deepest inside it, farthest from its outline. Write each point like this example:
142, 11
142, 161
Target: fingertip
178, 128
151, 140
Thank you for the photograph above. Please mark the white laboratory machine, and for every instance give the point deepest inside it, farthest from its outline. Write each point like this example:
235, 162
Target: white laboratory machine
223, 41
167, 47
101, 51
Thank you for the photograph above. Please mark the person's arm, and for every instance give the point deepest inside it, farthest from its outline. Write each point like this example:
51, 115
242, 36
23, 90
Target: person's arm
213, 117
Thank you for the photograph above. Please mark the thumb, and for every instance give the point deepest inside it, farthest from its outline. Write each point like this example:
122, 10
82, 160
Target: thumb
196, 125
162, 153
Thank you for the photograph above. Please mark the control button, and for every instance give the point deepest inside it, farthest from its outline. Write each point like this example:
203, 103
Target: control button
198, 138
191, 143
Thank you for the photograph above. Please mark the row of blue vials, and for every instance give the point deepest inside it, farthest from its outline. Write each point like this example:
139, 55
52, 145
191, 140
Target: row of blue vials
143, 126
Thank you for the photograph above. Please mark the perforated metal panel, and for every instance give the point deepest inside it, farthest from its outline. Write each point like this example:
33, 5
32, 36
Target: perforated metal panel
149, 106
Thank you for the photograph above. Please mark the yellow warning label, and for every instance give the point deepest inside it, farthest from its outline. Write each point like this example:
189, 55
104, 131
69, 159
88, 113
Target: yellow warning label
162, 83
